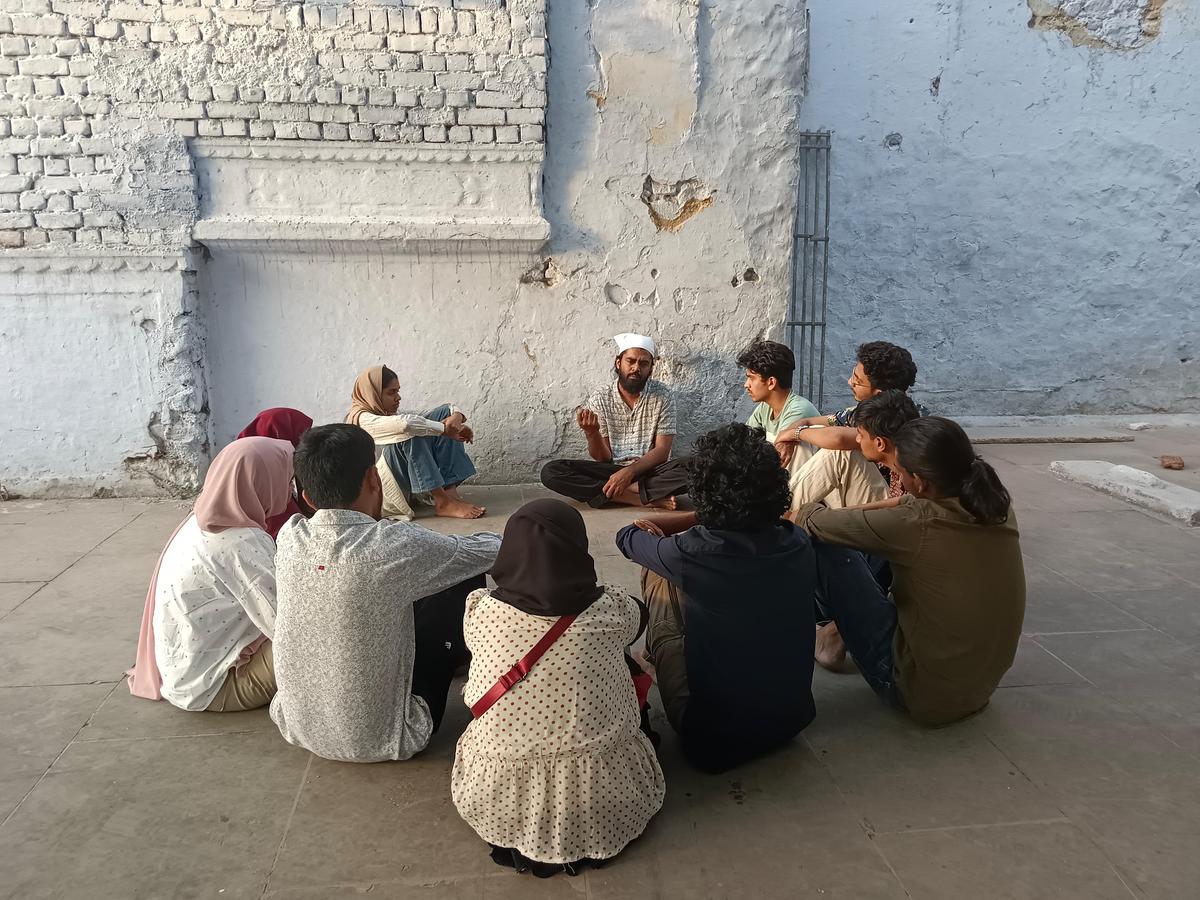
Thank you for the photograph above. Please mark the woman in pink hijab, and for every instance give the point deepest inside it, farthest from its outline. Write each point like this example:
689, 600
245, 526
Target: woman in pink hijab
210, 611
284, 424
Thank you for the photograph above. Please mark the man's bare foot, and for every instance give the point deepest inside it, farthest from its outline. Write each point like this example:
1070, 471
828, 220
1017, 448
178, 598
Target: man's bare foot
830, 652
453, 508
453, 494
664, 503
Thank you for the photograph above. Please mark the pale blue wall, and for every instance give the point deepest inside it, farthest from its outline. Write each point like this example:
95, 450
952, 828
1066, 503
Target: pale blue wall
1035, 241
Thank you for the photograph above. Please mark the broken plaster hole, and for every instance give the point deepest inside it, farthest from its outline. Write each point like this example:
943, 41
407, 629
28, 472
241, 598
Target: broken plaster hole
544, 273
893, 140
654, 273
671, 204
751, 276
1105, 24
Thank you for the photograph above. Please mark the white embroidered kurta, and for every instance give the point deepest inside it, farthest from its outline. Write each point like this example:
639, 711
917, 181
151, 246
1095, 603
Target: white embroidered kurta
558, 768
215, 597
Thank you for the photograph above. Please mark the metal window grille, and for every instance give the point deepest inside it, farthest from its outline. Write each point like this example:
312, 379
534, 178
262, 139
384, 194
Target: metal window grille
810, 260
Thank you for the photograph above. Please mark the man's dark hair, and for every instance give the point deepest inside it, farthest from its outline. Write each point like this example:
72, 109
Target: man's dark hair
331, 462
887, 365
883, 415
770, 360
736, 481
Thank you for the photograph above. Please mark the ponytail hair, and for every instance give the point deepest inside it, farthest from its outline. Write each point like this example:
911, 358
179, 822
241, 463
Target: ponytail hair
940, 452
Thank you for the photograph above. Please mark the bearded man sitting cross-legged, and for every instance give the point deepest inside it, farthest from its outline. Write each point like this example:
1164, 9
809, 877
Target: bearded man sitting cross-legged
630, 427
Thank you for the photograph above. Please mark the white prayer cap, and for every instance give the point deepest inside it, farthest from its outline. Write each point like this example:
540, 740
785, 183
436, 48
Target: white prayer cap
629, 340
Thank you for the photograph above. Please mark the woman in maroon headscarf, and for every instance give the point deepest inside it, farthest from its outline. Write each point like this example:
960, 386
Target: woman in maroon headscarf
282, 424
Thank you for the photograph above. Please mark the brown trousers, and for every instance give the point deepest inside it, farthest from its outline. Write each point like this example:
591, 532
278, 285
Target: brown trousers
250, 687
664, 643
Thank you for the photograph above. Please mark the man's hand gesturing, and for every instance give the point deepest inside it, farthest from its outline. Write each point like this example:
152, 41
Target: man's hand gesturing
586, 419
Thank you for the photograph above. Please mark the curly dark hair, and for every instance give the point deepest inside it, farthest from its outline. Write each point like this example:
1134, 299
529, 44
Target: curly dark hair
887, 365
886, 413
770, 360
736, 481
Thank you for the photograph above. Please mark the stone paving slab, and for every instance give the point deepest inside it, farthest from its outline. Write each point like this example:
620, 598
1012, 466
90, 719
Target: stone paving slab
1081, 779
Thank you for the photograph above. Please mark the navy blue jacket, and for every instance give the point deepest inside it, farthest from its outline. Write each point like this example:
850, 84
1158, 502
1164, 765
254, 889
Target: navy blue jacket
750, 631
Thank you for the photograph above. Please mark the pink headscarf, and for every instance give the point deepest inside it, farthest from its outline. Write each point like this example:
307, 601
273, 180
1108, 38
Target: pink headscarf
248, 482
284, 424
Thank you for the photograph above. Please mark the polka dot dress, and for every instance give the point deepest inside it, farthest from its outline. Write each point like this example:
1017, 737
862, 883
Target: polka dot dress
558, 768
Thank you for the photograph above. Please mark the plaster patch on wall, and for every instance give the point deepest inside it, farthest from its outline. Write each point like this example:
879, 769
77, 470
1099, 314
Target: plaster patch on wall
1106, 24
672, 204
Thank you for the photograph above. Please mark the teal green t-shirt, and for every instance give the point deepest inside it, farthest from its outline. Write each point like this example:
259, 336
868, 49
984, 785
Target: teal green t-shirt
794, 410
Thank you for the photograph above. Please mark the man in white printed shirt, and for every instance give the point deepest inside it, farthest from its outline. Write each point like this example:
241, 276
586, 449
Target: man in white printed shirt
630, 428
368, 628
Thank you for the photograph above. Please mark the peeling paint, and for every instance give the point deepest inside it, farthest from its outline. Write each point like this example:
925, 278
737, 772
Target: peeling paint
671, 205
544, 273
1103, 24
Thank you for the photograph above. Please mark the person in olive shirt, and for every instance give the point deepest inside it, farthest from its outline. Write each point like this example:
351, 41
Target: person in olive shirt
730, 593
941, 643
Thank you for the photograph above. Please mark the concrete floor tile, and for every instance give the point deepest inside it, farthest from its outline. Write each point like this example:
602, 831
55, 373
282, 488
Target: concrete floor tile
180, 818
1174, 610
1036, 665
805, 851
1112, 658
415, 833
1055, 604
1152, 842
775, 828
41, 547
80, 628
502, 885
123, 716
39, 722
897, 776
1017, 862
14, 593
1075, 742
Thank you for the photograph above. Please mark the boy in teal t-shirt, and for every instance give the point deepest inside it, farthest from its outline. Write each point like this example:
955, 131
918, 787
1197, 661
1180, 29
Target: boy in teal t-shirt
769, 367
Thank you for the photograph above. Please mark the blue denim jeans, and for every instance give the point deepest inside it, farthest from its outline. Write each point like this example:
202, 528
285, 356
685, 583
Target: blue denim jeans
423, 464
849, 593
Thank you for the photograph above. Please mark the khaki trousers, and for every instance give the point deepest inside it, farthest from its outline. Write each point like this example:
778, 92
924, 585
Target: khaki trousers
839, 477
664, 643
250, 687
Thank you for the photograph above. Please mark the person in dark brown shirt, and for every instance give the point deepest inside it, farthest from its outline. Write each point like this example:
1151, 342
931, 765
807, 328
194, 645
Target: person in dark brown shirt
940, 643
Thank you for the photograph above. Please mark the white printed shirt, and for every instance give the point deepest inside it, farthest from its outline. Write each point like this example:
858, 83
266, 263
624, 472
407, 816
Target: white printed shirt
215, 597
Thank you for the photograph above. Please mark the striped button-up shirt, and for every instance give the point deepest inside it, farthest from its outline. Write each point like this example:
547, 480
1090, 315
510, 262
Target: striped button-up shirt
631, 432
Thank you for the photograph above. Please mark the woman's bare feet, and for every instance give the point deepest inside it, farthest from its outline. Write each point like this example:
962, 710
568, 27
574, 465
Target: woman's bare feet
830, 652
664, 503
456, 508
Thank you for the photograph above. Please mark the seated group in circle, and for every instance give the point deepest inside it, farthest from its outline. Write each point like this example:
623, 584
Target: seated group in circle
872, 540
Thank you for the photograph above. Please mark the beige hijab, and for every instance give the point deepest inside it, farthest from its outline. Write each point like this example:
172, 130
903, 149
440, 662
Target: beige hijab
368, 394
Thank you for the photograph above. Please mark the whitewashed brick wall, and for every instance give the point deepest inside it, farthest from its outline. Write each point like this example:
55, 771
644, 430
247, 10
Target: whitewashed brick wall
98, 98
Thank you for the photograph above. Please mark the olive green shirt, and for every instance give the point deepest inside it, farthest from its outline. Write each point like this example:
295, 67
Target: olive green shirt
959, 590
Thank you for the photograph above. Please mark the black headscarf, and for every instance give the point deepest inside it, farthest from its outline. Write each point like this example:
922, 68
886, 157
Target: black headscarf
544, 567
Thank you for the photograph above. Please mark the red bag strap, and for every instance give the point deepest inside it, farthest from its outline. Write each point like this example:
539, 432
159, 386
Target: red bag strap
517, 673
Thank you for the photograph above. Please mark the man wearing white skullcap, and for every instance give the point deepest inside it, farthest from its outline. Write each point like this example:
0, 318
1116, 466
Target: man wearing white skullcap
629, 425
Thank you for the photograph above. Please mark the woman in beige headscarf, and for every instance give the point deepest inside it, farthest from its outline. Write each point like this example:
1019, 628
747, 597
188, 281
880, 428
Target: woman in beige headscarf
419, 454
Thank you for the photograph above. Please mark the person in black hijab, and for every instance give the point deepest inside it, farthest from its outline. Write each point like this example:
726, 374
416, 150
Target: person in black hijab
554, 772
544, 567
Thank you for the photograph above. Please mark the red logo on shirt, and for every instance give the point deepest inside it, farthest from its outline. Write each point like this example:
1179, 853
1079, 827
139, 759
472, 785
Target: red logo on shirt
320, 568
